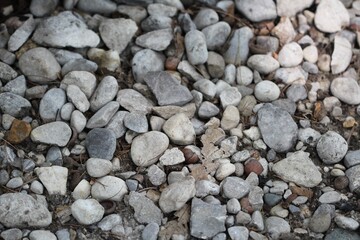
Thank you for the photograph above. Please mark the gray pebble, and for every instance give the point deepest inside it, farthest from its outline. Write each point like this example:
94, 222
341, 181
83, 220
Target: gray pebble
195, 44
146, 61
136, 121
51, 104
150, 232
100, 143
78, 64
216, 35
331, 147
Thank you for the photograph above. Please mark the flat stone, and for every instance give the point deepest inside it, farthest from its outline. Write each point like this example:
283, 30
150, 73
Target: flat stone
54, 133
321, 220
117, 33
289, 8
234, 187
172, 156
145, 61
136, 13
152, 143
19, 131
331, 147
145, 210
109, 188
42, 235
100, 143
167, 90
342, 234
346, 89
53, 178
341, 56
104, 93
78, 64
137, 122
346, 222
157, 40
290, 55
11, 234
109, 222
116, 124
97, 167
205, 17
216, 35
331, 16
258, 10
97, 6
353, 175
298, 168
132, 101
195, 44
208, 110
51, 103
16, 86
276, 226
206, 219
78, 98
102, 117
87, 211
330, 197
179, 129
156, 22
264, 64
22, 34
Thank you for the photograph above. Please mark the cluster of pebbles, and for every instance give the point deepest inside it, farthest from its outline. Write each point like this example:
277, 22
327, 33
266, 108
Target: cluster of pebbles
172, 119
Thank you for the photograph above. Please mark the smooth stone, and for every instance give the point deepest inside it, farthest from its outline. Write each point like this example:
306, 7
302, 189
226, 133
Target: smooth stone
7, 57
346, 222
258, 10
342, 234
238, 232
41, 8
157, 22
298, 168
7, 73
42, 235
78, 121
179, 129
230, 118
264, 64
353, 175
216, 35
78, 98
172, 156
289, 8
145, 61
186, 22
271, 199
157, 40
276, 226
290, 75
215, 65
152, 143
54, 133
244, 76
331, 147
321, 220
14, 183
104, 93
278, 129
51, 103
206, 87
97, 6
11, 234
330, 197
352, 158
102, 117
234, 187
266, 91
208, 110
346, 89
224, 170
82, 190
117, 33
163, 9
310, 54
109, 222
290, 55
230, 97
109, 188
116, 124
36, 187
150, 232
137, 122
175, 195
296, 92
206, 220
100, 143
205, 17
132, 101
86, 81
53, 178
78, 64
136, 13
167, 90
97, 167
16, 86
331, 16
87, 211
22, 34
341, 56
145, 210
233, 206
65, 30
14, 105
196, 49
188, 70
64, 56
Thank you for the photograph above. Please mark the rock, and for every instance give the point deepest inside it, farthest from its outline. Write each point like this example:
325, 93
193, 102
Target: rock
152, 143
172, 156
78, 121
309, 136
215, 65
341, 57
109, 60
51, 103
22, 34
352, 158
195, 44
156, 175
86, 81
258, 10
11, 234
290, 75
282, 134
321, 219
87, 211
100, 143
298, 168
276, 226
175, 196
64, 56
150, 232
104, 93
167, 89
330, 197
97, 167
238, 232
22, 210
153, 23
233, 206
208, 110
296, 92
42, 234
146, 211
14, 183
205, 17
206, 87
185, 68
116, 124
186, 22
53, 178
157, 40
79, 65
346, 89
266, 91
289, 8
78, 98
136, 13
234, 187
102, 7
14, 105
179, 129
7, 73
230, 97
310, 54
132, 101
41, 8
109, 222
54, 133
65, 30
109, 188
145, 61
213, 215
136, 121
18, 132
346, 222
284, 30
230, 118
216, 35
82, 190
331, 147
353, 175
244, 76
331, 16
206, 187
102, 117
264, 64
339, 233
290, 55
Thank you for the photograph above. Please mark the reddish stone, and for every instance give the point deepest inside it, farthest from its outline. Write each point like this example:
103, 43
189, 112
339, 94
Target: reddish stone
253, 166
18, 132
171, 63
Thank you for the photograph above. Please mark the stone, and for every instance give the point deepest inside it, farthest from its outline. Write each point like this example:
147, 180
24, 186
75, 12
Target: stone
16, 86
341, 56
102, 7
206, 187
291, 75
152, 143
230, 118
150, 232
104, 93
117, 33
172, 156
346, 222
276, 226
258, 10
51, 103
264, 64
206, 87
284, 30
175, 196
53, 178
145, 210
331, 16
216, 35
109, 60
188, 70
233, 206
22, 210
19, 131
296, 92
65, 30
321, 219
145, 61
186, 22
78, 98
109, 188
157, 40
64, 56
157, 22
244, 76
109, 222
309, 136
213, 215
266, 91
36, 187
136, 13
97, 167
79, 65
100, 143
289, 8
11, 234
42, 235
215, 65
14, 183
14, 105
298, 168
238, 232
156, 175
230, 97
310, 54
346, 89
208, 110
331, 147
282, 134
352, 158
132, 101
116, 124
41, 8
330, 197
234, 187
196, 49
7, 73
167, 90
179, 129
82, 190
136, 121
54, 133
86, 81
290, 55
353, 175
22, 34
78, 121
205, 17
102, 117
87, 211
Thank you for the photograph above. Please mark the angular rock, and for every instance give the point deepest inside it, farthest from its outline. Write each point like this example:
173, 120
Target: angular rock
54, 133
132, 101
102, 117
145, 210
145, 61
264, 64
157, 40
180, 129
16, 86
87, 211
116, 124
137, 122
331, 16
22, 34
100, 143
78, 98
104, 93
53, 178
7, 73
346, 89
353, 175
216, 35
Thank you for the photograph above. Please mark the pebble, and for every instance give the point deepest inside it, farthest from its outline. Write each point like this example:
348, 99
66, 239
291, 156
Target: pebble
171, 157
296, 92
258, 10
205, 17
53, 178
104, 93
339, 233
346, 222
36, 187
16, 86
234, 187
19, 131
331, 147
282, 134
276, 226
22, 34
216, 35
78, 121
196, 49
132, 101
291, 75
331, 16
352, 158
186, 22
157, 40
206, 187
153, 143
116, 124
109, 188
310, 54
42, 235
41, 8
97, 167
64, 56
233, 206
346, 89
7, 73
266, 91
136, 13
163, 9
78, 98
150, 232
290, 55
230, 97
65, 30
109, 222
51, 103
330, 197
82, 190
145, 210
238, 232
208, 110
179, 129
175, 195
206, 87
230, 118
103, 7
157, 22
13, 205
79, 65
341, 56
136, 122
109, 60
215, 65
11, 234
244, 76
156, 175
87, 211
100, 143
54, 133
204, 212
86, 81
145, 61
353, 174
309, 136
321, 219
264, 64
289, 9
238, 50
102, 117
224, 170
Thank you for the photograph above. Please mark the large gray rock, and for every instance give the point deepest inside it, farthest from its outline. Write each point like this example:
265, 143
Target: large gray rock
54, 133
65, 30
206, 219
298, 168
14, 105
278, 129
257, 10
100, 143
346, 89
22, 210
51, 104
145, 210
167, 90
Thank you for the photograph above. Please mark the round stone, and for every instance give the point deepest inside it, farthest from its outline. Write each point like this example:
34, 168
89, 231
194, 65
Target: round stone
87, 211
290, 55
266, 91
331, 147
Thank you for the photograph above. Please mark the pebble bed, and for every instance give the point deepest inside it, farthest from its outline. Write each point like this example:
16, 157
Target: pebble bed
169, 119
